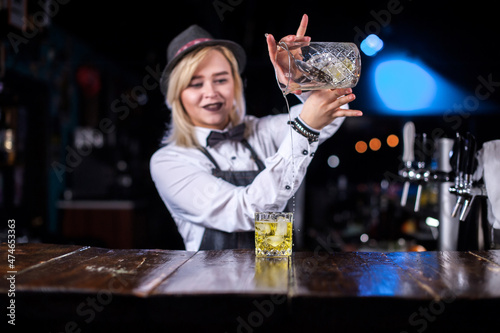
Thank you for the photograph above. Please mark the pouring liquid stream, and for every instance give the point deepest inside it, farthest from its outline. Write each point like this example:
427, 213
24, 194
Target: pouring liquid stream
293, 155
284, 91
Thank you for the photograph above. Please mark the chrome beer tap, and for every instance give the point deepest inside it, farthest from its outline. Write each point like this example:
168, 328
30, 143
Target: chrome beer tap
422, 173
465, 162
460, 226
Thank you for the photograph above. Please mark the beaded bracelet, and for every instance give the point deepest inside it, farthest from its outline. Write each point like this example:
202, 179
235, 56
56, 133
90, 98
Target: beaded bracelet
299, 127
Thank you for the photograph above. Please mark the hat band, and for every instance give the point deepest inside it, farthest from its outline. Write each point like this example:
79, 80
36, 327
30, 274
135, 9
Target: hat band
191, 43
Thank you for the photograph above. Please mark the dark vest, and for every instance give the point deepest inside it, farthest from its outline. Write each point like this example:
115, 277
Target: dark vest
218, 240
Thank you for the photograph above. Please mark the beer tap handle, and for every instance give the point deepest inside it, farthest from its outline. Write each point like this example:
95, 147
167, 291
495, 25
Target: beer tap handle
408, 155
464, 158
470, 165
426, 143
455, 156
408, 142
471, 161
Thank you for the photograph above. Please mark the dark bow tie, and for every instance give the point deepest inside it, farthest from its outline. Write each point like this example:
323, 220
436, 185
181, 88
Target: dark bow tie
234, 134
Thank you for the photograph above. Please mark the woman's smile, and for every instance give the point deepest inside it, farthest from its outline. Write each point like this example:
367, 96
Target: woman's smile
213, 106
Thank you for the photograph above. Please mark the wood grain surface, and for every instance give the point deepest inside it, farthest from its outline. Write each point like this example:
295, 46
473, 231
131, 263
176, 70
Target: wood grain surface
86, 289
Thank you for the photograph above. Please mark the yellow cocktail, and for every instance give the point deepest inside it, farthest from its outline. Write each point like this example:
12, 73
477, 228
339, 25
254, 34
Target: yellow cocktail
273, 234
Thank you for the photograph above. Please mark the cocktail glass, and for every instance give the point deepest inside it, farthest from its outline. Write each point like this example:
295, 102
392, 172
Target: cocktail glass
316, 65
273, 234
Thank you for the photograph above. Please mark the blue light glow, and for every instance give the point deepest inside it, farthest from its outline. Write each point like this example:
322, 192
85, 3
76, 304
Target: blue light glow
371, 45
404, 86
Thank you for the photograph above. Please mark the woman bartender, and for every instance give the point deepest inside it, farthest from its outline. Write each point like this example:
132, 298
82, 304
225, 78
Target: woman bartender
219, 166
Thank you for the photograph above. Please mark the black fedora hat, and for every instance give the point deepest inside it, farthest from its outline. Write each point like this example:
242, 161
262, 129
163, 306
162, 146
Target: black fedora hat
189, 40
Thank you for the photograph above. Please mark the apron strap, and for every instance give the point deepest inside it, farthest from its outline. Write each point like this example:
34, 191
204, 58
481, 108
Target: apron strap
256, 158
209, 156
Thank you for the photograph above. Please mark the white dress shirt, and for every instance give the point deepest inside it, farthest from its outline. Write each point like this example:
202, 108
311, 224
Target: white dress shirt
196, 199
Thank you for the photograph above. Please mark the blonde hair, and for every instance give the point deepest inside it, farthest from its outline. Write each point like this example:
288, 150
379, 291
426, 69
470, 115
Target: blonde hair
181, 129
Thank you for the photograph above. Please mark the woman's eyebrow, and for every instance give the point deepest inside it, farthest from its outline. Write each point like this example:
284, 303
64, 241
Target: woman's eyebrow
215, 74
221, 73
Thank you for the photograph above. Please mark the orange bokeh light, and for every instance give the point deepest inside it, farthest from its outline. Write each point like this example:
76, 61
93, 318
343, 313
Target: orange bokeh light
392, 140
361, 147
375, 144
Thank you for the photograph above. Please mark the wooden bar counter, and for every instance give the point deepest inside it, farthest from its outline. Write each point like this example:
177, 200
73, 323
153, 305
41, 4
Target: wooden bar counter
68, 288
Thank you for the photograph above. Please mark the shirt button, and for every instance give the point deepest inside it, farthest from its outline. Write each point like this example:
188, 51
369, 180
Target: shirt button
312, 154
305, 152
287, 187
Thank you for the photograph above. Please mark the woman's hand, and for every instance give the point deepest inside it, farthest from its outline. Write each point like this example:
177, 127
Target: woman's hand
323, 106
281, 54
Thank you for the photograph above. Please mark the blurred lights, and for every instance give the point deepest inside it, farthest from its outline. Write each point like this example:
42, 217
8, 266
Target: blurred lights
142, 98
361, 147
8, 140
364, 238
404, 85
333, 161
375, 144
432, 222
392, 140
371, 45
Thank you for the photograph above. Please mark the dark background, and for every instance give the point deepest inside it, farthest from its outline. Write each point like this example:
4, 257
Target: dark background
121, 41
